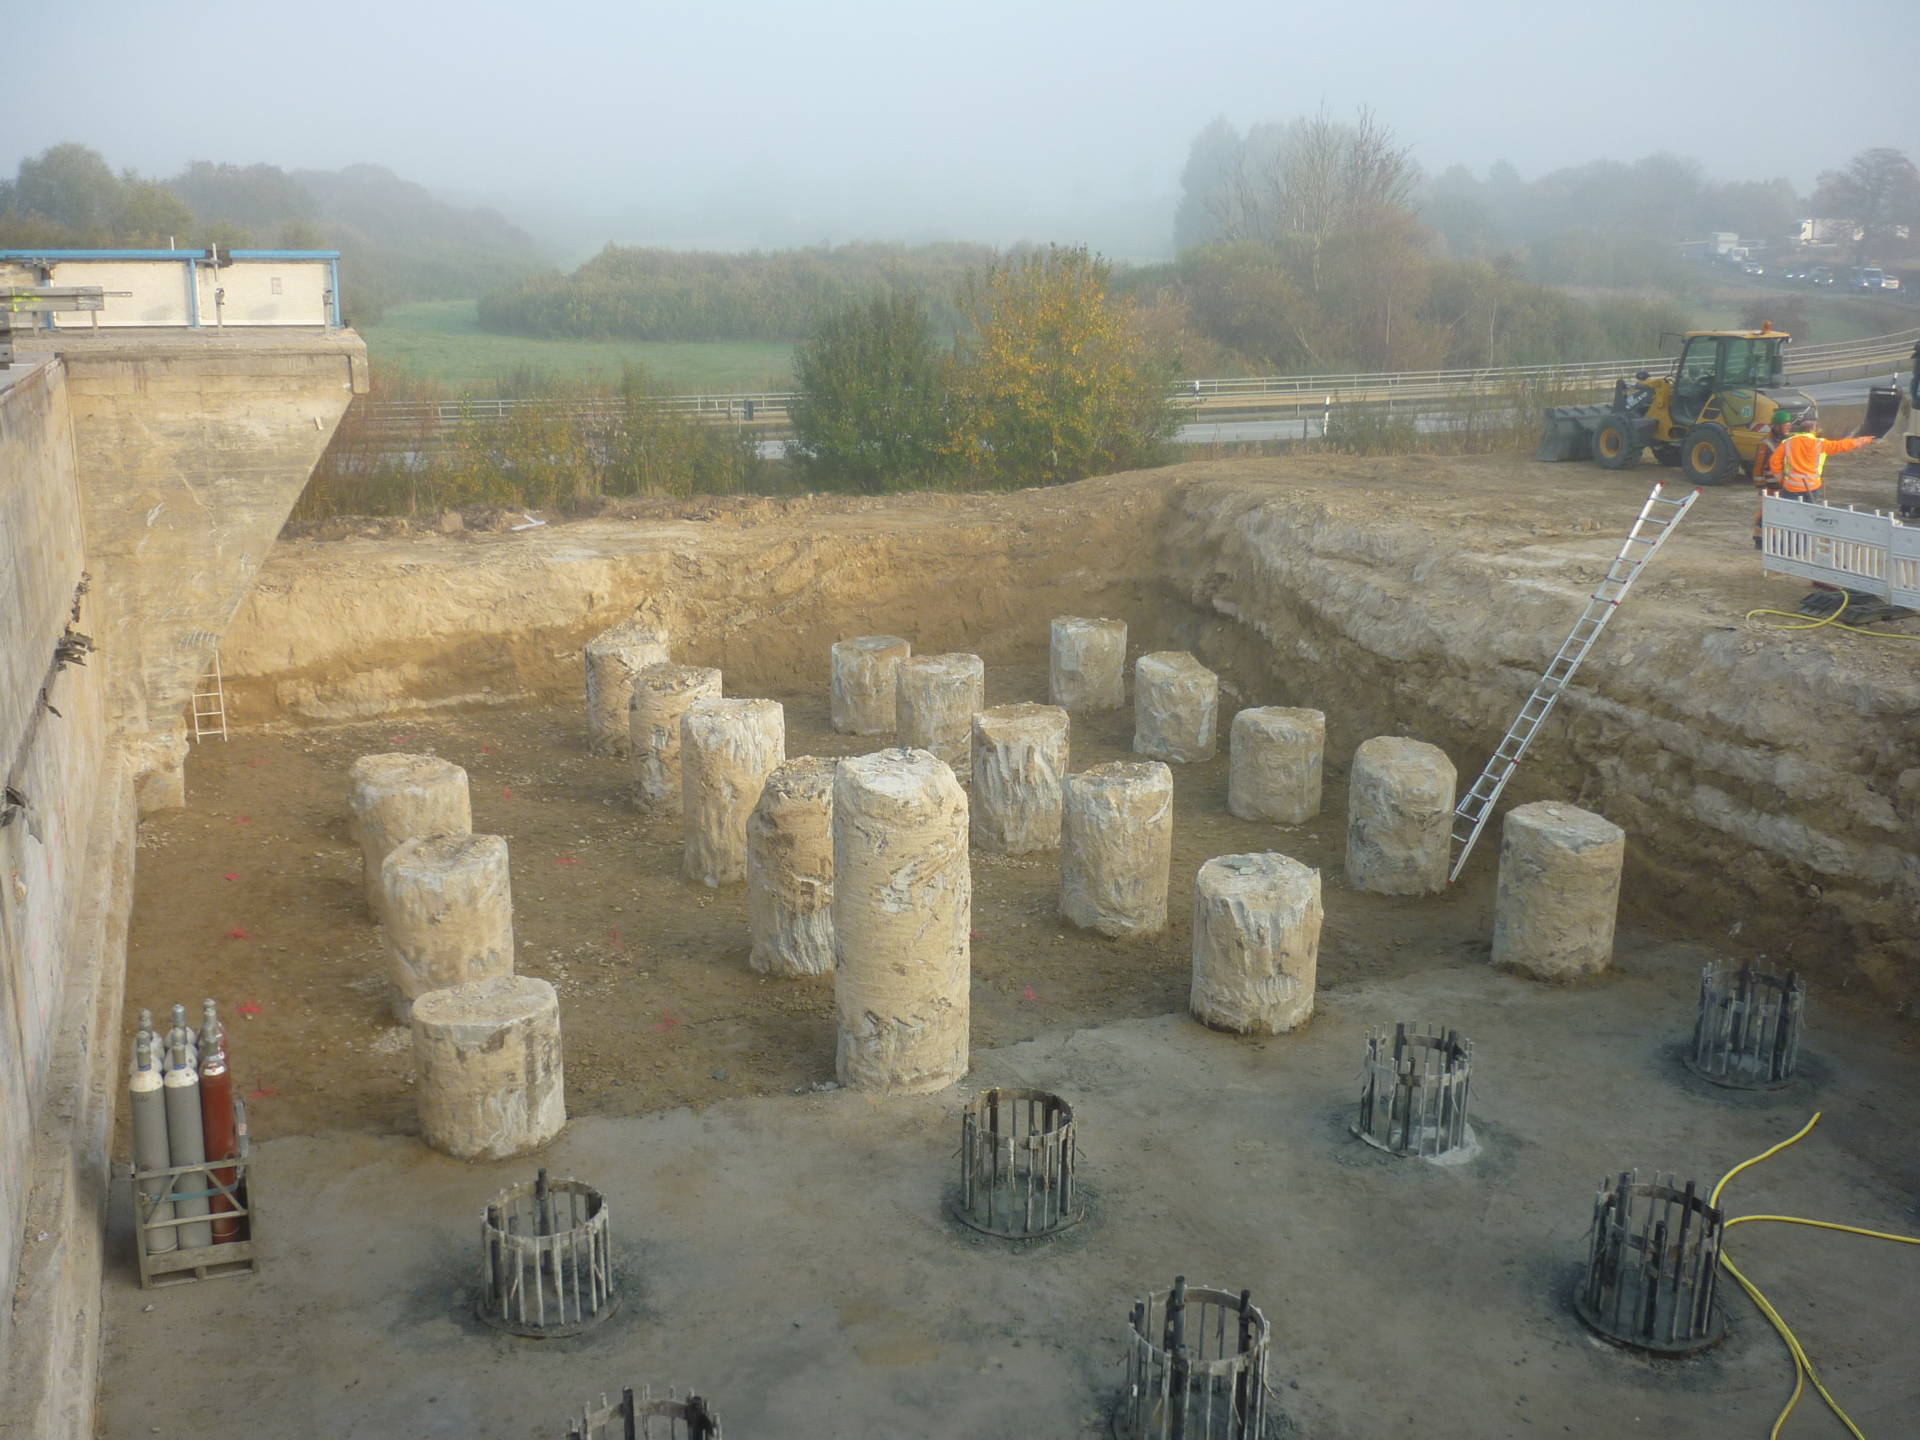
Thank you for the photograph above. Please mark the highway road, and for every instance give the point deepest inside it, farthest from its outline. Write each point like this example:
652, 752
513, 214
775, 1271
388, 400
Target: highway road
1243, 432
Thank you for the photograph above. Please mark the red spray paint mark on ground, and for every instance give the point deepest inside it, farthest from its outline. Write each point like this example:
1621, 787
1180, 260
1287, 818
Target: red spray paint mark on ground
667, 1020
486, 749
506, 792
236, 933
396, 739
973, 934
257, 760
614, 935
248, 1009
1029, 993
231, 875
262, 1092
243, 819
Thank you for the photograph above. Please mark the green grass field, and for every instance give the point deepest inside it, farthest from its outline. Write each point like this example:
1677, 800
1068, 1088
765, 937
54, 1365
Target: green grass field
442, 340
1831, 318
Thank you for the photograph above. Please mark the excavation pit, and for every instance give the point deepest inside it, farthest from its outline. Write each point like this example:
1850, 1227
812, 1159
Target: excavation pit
683, 1064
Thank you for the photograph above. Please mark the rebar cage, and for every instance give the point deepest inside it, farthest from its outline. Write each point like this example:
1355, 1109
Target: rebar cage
1652, 1267
1017, 1165
1747, 1033
546, 1259
1196, 1367
1414, 1090
636, 1415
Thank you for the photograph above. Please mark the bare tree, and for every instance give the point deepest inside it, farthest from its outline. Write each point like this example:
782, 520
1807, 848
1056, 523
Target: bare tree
1878, 191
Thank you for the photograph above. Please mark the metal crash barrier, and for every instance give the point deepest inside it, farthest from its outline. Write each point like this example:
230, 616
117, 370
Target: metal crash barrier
1866, 550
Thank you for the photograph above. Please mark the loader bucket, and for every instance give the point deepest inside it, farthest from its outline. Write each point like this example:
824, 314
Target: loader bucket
1569, 432
1883, 408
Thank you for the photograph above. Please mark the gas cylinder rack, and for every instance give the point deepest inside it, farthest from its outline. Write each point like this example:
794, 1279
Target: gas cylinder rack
181, 1264
194, 1216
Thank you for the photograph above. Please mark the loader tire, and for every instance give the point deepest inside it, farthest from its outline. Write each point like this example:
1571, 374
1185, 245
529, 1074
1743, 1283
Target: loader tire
1707, 456
1615, 446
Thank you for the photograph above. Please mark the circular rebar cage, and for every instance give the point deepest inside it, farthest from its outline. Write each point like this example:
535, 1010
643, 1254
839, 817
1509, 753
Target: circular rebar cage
1413, 1093
636, 1415
1016, 1165
1747, 1033
546, 1259
1196, 1367
1652, 1266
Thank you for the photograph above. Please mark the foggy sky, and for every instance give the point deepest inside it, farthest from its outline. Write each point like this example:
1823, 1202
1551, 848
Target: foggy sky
751, 123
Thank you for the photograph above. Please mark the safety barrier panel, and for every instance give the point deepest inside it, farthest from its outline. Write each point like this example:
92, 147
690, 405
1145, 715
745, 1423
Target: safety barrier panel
1867, 550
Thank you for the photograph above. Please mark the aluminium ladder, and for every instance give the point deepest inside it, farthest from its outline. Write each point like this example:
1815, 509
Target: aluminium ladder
1650, 530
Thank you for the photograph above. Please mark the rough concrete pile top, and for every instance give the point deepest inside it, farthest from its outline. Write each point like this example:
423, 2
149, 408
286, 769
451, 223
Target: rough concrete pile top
484, 1006
1569, 826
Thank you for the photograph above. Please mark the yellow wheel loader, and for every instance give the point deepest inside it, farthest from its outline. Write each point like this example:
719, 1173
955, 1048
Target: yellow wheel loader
1708, 418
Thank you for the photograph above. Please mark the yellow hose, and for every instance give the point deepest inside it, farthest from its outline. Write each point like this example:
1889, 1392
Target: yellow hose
1833, 619
1803, 1370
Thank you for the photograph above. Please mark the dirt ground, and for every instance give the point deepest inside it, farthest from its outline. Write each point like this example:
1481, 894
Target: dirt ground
252, 895
783, 1244
788, 1258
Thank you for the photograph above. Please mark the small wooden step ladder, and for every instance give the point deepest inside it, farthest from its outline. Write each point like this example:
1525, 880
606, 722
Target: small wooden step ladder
210, 701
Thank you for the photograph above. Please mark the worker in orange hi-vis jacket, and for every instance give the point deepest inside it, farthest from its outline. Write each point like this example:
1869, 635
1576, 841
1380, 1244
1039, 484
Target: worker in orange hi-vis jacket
1799, 463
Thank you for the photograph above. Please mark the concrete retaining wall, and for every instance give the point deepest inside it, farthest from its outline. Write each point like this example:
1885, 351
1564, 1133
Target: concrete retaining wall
142, 481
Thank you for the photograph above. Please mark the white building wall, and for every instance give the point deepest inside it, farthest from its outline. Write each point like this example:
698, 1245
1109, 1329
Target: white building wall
244, 292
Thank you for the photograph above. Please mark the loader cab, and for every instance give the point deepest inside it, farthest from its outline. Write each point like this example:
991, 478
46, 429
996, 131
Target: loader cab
1721, 367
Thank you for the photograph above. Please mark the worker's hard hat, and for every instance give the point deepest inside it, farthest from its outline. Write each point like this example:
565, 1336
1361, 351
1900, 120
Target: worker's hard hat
1783, 417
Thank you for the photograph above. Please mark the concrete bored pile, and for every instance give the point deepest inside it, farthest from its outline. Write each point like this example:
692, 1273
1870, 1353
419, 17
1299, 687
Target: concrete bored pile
1176, 702
902, 913
546, 1259
490, 1084
1399, 817
614, 657
395, 798
1116, 847
1414, 1090
1653, 1263
1747, 1029
662, 694
790, 870
1087, 664
727, 750
448, 903
1019, 769
937, 700
1559, 891
1274, 762
865, 684
1196, 1367
1017, 1163
1256, 943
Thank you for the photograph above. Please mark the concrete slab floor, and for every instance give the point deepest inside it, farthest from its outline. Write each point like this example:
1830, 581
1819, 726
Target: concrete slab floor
789, 1257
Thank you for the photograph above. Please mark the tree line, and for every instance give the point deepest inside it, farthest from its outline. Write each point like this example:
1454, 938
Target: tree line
397, 242
1050, 378
646, 293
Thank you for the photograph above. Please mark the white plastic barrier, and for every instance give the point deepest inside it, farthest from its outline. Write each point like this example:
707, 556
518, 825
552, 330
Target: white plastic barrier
1867, 550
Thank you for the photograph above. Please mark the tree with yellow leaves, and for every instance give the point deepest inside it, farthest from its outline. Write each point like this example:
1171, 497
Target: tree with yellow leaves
1053, 379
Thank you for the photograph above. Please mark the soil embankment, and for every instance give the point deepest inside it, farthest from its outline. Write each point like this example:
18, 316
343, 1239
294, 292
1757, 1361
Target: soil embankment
1767, 781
